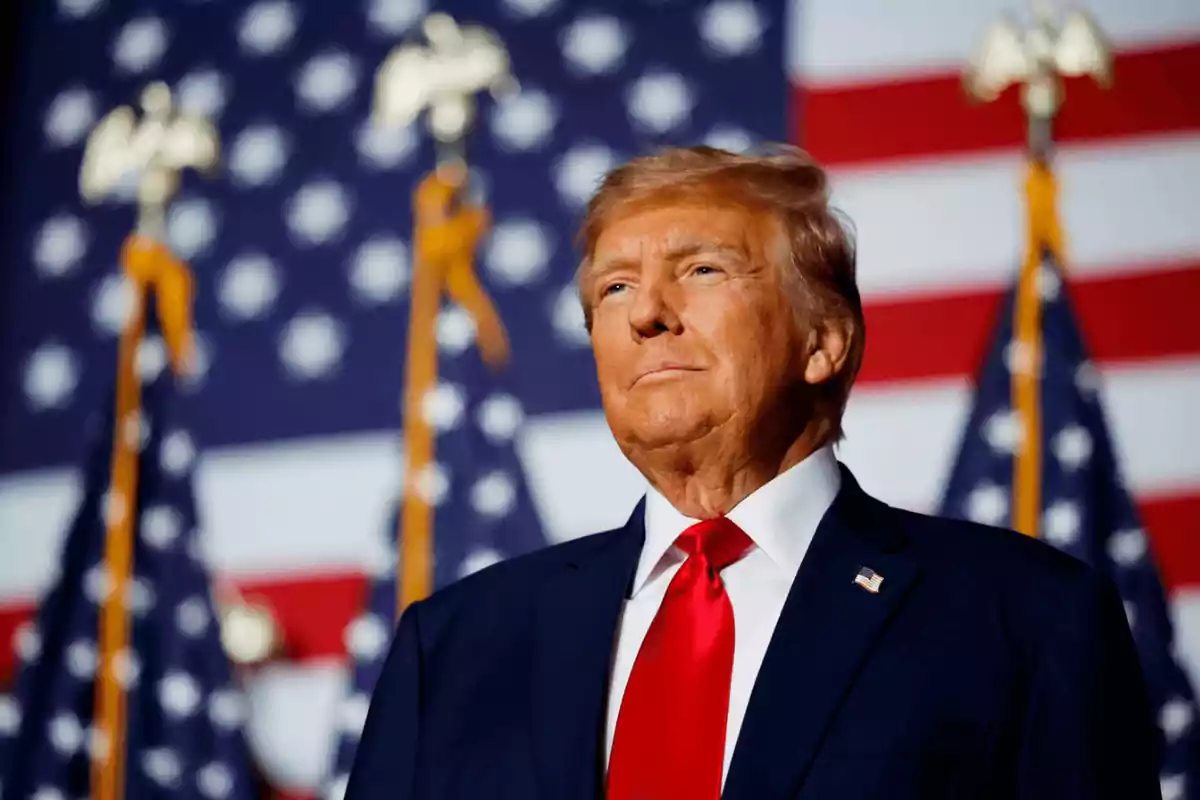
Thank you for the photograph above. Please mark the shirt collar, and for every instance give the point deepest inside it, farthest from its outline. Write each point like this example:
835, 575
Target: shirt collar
780, 517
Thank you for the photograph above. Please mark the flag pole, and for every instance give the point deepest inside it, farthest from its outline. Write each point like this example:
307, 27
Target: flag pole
447, 230
1037, 59
148, 266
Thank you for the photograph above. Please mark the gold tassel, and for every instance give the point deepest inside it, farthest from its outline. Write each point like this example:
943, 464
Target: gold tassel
446, 237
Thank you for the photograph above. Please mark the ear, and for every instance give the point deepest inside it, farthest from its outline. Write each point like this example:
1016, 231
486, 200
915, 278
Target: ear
828, 347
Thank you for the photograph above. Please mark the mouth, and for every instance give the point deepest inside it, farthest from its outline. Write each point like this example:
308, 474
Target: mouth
664, 372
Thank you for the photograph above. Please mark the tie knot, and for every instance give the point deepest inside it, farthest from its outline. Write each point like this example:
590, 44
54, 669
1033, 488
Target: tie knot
719, 540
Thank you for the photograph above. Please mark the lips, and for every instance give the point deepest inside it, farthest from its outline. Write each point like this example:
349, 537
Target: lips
665, 368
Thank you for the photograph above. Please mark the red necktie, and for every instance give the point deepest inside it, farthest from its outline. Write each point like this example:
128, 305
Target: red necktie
670, 738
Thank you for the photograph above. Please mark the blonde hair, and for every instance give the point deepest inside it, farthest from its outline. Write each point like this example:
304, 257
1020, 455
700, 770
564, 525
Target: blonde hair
788, 185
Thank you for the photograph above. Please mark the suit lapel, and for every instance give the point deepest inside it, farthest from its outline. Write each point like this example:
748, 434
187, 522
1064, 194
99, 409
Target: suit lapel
577, 619
825, 631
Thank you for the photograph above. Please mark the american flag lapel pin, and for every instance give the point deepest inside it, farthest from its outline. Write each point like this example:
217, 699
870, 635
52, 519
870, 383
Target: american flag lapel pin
869, 579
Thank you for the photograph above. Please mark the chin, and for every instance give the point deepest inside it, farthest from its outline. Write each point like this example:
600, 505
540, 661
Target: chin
662, 423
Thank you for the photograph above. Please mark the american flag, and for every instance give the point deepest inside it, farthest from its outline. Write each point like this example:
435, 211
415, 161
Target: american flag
184, 714
1085, 508
301, 252
483, 512
869, 579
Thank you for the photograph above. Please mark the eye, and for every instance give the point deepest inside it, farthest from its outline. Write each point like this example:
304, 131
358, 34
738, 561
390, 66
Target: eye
612, 288
705, 269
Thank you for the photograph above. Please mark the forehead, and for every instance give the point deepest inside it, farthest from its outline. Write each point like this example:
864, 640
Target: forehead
674, 228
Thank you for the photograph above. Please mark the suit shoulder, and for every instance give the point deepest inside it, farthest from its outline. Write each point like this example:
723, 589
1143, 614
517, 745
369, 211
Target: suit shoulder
1044, 596
993, 555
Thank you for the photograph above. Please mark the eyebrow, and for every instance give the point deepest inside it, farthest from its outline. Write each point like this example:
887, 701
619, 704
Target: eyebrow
695, 248
674, 253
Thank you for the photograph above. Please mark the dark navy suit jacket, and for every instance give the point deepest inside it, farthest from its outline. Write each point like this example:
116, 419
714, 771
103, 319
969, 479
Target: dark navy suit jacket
989, 665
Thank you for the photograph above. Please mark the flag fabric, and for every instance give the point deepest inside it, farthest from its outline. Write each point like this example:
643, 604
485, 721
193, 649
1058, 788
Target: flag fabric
301, 247
483, 512
1085, 507
183, 736
301, 250
932, 182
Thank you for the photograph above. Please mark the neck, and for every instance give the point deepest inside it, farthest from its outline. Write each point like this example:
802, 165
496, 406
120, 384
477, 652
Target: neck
706, 478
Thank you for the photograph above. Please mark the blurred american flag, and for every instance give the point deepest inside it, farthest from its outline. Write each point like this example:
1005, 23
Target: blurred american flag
1083, 507
483, 513
301, 253
182, 732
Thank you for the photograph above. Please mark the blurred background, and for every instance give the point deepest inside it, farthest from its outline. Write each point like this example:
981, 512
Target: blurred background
301, 247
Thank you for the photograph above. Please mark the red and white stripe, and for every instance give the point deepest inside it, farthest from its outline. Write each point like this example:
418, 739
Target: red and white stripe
933, 186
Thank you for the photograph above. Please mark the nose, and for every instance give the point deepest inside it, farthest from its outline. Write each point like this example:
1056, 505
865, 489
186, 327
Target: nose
653, 311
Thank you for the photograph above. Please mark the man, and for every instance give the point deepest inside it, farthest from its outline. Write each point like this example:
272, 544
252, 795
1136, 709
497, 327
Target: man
760, 628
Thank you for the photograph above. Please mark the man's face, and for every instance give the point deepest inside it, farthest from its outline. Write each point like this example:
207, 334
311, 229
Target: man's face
691, 325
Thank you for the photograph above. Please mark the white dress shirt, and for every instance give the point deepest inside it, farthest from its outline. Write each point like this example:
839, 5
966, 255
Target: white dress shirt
781, 518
